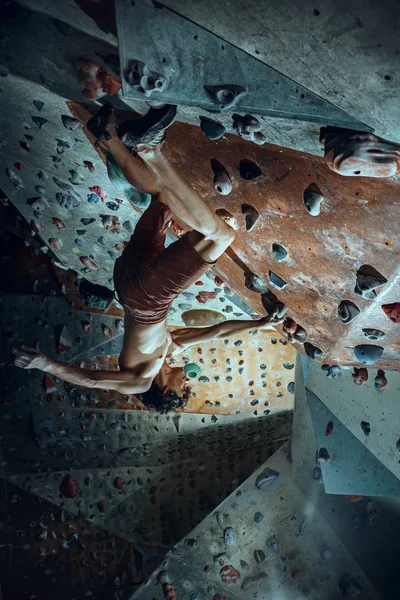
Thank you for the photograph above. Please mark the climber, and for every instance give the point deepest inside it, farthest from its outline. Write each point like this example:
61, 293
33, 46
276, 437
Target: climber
148, 276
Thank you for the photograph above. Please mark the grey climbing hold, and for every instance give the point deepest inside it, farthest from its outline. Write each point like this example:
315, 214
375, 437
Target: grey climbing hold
81, 231
224, 96
347, 311
254, 283
279, 252
71, 123
244, 565
142, 80
4, 71
368, 279
245, 125
38, 104
87, 221
331, 370
204, 379
317, 474
222, 181
287, 365
313, 198
368, 354
349, 587
112, 206
291, 387
163, 577
272, 305
40, 189
67, 200
272, 544
312, 351
259, 556
66, 187
366, 427
253, 582
266, 477
251, 216
79, 242
101, 240
75, 177
128, 226
39, 121
249, 170
230, 536
258, 517
277, 281
373, 334
212, 129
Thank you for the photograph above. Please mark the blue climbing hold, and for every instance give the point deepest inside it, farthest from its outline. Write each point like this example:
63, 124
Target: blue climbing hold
368, 354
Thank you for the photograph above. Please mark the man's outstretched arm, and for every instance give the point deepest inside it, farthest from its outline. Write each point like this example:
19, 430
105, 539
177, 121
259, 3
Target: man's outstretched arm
121, 381
187, 336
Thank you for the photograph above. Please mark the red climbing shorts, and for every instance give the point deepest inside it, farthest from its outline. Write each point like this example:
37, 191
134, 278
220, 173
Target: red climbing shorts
148, 276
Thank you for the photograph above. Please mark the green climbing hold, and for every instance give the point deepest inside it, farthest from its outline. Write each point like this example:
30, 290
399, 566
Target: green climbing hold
192, 370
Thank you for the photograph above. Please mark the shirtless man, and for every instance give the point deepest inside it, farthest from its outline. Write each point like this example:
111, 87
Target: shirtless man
148, 276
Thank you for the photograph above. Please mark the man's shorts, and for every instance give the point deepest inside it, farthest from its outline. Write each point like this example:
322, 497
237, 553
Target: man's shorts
148, 276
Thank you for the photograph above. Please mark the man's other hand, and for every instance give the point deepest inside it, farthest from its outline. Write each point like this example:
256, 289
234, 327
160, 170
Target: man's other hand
29, 358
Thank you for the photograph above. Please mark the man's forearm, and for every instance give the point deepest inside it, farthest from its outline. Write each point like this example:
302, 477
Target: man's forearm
228, 328
70, 373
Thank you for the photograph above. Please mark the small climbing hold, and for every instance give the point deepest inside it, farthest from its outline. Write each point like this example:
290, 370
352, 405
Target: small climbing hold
329, 428
107, 331
64, 341
59, 224
204, 379
114, 255
40, 189
253, 582
79, 242
71, 123
291, 387
55, 243
276, 281
313, 198
349, 587
249, 170
332, 371
380, 380
279, 252
392, 311
317, 474
254, 283
89, 263
347, 311
16, 181
251, 216
4, 71
119, 483
119, 325
89, 165
258, 517
312, 351
75, 177
224, 96
222, 181
25, 146
87, 221
110, 223
19, 166
323, 455
38, 104
266, 477
244, 565
112, 206
230, 536
36, 226
212, 129
227, 217
373, 334
259, 556
93, 198
70, 486
360, 375
128, 226
368, 354
39, 121
229, 574
272, 544
81, 231
245, 125
368, 279
95, 81
326, 553
97, 189
287, 365
259, 138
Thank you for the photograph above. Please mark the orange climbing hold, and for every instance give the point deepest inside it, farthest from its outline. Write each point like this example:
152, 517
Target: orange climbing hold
89, 263
95, 81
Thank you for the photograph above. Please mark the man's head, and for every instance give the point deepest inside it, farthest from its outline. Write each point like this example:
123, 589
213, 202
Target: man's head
169, 390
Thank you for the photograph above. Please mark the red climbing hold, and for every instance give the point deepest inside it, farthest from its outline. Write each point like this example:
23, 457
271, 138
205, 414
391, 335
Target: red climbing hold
25, 146
89, 165
392, 311
229, 574
70, 486
97, 189
89, 263
59, 224
36, 226
95, 81
329, 428
219, 597
360, 375
19, 166
55, 243
119, 483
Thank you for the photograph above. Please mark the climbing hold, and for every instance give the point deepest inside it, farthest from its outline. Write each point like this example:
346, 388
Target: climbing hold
249, 170
38, 104
244, 565
329, 428
317, 474
349, 587
295, 332
79, 242
380, 380
66, 187
279, 252
204, 379
112, 205
230, 536
71, 123
259, 138
392, 311
276, 281
312, 351
313, 198
128, 226
227, 217
287, 365
107, 331
88, 221
25, 146
142, 80
347, 311
222, 181
225, 96
258, 517
192, 370
373, 334
266, 477
93, 198
323, 455
59, 224
250, 215
254, 283
39, 121
97, 189
36, 226
253, 582
40, 189
331, 370
273, 306
19, 166
368, 354
212, 129
67, 200
368, 279
291, 387
326, 553
89, 263
245, 126
16, 181
229, 574
55, 243
89, 165
366, 427
95, 81
259, 556
110, 223
119, 483
36, 204
114, 255
272, 544
70, 486
360, 375
76, 178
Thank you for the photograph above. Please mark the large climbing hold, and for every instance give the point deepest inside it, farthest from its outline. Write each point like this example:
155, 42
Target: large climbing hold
95, 81
368, 279
251, 216
249, 170
224, 96
143, 80
368, 354
276, 281
380, 380
347, 311
254, 283
212, 129
273, 305
313, 199
222, 181
392, 311
71, 123
373, 334
360, 375
357, 153
312, 351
